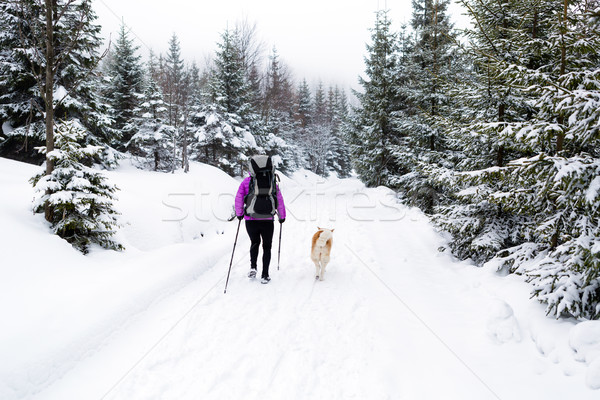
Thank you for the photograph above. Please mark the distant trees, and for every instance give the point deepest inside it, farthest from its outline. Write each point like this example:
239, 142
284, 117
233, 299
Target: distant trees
278, 116
165, 112
161, 114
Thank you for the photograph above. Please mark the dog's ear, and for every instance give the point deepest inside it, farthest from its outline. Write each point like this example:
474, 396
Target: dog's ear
318, 228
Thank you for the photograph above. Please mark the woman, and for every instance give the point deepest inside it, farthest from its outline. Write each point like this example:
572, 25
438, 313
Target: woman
257, 200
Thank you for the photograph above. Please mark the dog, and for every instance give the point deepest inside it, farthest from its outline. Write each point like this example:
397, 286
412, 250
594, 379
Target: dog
321, 249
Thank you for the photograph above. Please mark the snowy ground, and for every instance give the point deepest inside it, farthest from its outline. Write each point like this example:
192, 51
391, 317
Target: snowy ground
394, 318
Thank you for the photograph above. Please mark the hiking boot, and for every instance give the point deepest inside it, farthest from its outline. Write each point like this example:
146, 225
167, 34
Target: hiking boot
265, 279
252, 274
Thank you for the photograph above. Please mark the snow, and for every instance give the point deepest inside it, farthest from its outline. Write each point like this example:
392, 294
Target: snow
585, 341
7, 128
593, 191
60, 93
212, 119
394, 317
249, 139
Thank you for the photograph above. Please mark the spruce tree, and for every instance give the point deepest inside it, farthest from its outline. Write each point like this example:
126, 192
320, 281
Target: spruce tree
278, 116
338, 159
486, 105
229, 85
433, 58
126, 86
226, 140
304, 106
21, 107
374, 131
536, 211
173, 81
426, 72
81, 198
23, 60
317, 139
152, 144
557, 187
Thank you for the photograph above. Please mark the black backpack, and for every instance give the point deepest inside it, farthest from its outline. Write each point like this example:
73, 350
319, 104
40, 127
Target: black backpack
261, 200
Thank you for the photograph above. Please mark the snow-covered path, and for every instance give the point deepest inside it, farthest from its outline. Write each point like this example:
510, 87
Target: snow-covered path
394, 319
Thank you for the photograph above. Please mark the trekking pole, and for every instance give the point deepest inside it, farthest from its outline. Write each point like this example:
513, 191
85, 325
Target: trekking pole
232, 253
279, 252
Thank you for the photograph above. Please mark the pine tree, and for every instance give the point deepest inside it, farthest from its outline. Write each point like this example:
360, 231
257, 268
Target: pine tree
192, 98
278, 116
23, 88
433, 56
81, 198
153, 140
229, 85
173, 81
225, 140
375, 133
126, 86
20, 105
338, 158
485, 105
536, 214
557, 188
318, 139
490, 101
304, 105
427, 71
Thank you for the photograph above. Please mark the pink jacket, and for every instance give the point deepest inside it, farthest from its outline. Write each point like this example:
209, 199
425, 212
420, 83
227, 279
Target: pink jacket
243, 191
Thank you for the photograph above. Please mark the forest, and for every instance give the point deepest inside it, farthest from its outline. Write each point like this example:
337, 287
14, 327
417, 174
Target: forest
493, 131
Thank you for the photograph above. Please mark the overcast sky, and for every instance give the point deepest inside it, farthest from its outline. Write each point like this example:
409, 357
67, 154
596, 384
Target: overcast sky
317, 39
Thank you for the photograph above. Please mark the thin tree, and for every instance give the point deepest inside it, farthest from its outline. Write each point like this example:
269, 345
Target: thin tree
39, 23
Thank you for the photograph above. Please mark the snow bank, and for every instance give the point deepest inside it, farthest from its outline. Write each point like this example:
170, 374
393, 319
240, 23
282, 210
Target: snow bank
61, 306
502, 324
585, 341
161, 209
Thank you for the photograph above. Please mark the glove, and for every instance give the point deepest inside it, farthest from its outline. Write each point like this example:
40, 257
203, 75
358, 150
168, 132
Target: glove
240, 217
281, 220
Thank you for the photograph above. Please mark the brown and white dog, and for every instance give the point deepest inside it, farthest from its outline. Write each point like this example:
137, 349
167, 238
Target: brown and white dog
321, 250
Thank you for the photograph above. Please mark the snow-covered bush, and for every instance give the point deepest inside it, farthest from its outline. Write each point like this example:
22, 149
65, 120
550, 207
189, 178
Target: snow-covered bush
79, 198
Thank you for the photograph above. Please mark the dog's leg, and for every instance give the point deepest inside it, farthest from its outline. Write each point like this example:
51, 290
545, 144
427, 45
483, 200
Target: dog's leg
324, 262
318, 267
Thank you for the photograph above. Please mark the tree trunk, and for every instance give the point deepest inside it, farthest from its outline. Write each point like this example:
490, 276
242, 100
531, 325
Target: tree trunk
174, 160
563, 46
500, 154
49, 95
560, 137
185, 164
435, 64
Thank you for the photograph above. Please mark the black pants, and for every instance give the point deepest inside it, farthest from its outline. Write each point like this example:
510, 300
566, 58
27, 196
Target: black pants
257, 230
